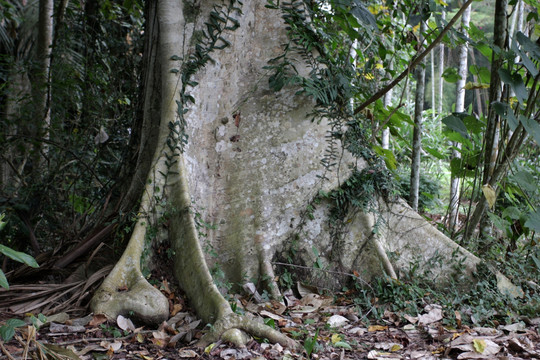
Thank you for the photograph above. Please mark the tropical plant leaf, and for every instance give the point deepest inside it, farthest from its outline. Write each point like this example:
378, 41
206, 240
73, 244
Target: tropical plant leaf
3, 280
533, 222
18, 256
525, 180
532, 127
455, 123
450, 75
516, 83
7, 332
363, 14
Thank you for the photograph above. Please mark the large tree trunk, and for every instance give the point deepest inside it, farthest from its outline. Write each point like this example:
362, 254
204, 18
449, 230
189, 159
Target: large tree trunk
250, 168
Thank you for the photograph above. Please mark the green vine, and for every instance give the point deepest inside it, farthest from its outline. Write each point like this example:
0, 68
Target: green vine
333, 82
220, 20
207, 41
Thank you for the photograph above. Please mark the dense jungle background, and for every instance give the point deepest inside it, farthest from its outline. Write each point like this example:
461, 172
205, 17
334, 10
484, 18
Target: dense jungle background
442, 99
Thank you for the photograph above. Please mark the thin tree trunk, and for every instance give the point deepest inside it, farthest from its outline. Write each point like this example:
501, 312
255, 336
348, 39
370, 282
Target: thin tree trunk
417, 60
460, 107
441, 69
479, 98
490, 137
417, 133
433, 114
385, 137
42, 85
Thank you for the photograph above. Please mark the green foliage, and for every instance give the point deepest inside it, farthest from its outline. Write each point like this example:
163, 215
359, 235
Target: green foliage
94, 89
286, 280
7, 331
429, 191
359, 192
112, 330
14, 255
479, 304
310, 344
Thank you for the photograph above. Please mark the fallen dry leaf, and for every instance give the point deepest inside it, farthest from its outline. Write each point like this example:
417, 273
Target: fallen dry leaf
434, 314
98, 319
336, 321
374, 328
176, 309
186, 353
111, 346
125, 323
479, 345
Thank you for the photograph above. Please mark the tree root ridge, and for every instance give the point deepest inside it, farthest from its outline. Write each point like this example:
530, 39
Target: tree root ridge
228, 328
142, 302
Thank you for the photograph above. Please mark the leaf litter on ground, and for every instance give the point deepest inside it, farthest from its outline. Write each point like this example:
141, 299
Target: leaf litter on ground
328, 329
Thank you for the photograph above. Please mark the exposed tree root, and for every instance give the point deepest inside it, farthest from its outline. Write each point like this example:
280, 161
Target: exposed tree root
227, 328
126, 291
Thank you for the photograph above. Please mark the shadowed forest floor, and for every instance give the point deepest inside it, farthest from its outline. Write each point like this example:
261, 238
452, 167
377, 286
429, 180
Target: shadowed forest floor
328, 327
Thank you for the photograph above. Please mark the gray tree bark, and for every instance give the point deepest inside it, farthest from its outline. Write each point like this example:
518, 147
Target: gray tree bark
441, 70
491, 137
463, 70
417, 132
41, 83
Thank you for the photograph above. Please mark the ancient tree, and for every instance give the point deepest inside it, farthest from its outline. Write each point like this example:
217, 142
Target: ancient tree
230, 164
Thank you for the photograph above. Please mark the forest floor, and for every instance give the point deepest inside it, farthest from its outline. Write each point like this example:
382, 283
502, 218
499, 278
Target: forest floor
327, 327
